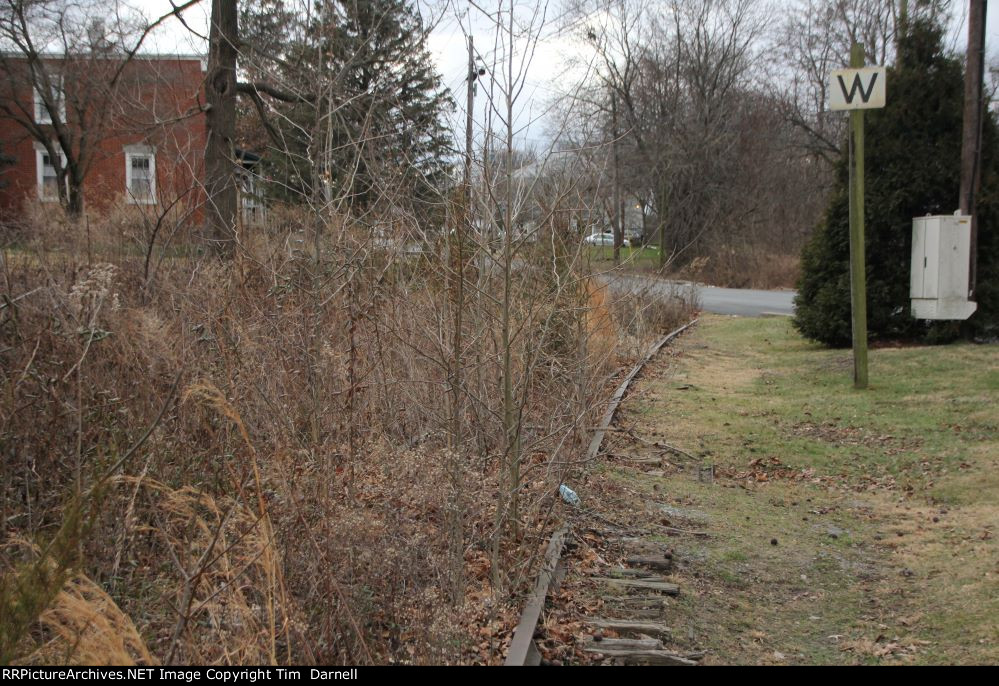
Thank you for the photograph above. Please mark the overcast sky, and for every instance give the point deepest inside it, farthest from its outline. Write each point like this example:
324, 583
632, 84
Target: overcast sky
453, 19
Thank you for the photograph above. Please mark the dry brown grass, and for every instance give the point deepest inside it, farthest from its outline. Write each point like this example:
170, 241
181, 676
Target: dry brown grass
273, 431
744, 267
85, 626
643, 314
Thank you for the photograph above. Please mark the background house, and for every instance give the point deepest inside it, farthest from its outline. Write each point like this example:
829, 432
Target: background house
128, 132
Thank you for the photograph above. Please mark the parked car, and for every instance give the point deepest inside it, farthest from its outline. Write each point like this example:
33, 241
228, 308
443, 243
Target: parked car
605, 238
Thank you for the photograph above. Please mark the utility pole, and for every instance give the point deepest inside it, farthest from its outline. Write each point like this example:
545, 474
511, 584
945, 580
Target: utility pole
469, 105
462, 222
971, 134
858, 274
616, 223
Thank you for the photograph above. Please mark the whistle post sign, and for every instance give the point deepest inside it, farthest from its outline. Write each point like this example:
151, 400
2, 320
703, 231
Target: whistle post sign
857, 89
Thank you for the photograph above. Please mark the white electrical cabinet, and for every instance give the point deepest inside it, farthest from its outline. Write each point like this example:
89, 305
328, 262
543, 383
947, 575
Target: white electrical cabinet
940, 252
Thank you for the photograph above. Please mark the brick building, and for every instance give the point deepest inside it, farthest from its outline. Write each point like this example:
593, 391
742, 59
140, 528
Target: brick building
135, 129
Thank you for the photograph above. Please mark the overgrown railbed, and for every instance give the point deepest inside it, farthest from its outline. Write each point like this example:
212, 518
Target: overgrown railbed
837, 526
249, 460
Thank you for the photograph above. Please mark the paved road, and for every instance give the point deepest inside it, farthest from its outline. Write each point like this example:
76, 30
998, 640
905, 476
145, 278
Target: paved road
741, 301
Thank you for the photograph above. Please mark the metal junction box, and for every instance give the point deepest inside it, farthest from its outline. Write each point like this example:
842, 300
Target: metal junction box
940, 252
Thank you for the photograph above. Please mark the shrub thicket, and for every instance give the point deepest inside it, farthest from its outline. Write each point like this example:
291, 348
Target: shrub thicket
912, 169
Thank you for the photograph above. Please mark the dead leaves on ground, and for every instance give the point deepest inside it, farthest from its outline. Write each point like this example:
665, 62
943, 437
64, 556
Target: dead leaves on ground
895, 650
763, 469
851, 435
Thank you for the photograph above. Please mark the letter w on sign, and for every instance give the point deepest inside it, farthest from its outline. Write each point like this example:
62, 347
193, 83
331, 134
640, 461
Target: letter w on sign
857, 89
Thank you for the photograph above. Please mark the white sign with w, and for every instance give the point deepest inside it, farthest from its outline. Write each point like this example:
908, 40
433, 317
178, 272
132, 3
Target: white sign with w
857, 89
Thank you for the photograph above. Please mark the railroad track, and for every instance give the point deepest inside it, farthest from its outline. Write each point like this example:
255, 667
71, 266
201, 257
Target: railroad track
637, 604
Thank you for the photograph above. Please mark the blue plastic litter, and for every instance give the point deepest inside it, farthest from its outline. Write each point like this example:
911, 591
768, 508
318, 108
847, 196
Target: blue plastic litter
569, 495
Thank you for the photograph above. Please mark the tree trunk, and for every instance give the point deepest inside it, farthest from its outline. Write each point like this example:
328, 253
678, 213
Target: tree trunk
69, 186
661, 225
220, 164
74, 204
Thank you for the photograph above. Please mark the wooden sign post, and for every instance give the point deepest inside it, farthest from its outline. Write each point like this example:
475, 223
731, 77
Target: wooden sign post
857, 89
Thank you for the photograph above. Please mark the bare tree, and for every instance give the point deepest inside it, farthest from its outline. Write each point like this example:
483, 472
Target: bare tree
678, 74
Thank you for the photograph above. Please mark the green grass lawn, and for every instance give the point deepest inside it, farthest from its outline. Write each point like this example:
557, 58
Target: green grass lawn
845, 526
639, 259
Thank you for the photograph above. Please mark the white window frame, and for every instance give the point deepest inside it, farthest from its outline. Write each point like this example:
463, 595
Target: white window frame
136, 151
251, 202
40, 153
41, 112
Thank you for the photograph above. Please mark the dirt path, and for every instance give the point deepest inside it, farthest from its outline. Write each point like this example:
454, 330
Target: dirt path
838, 527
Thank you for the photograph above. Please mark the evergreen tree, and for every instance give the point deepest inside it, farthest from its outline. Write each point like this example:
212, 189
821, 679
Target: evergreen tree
912, 169
367, 113
265, 29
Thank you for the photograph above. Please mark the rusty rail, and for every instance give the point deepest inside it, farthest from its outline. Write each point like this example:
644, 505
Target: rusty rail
523, 651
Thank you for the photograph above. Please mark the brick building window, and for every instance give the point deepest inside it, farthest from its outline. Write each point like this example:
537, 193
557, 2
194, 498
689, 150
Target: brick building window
42, 113
48, 180
140, 174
